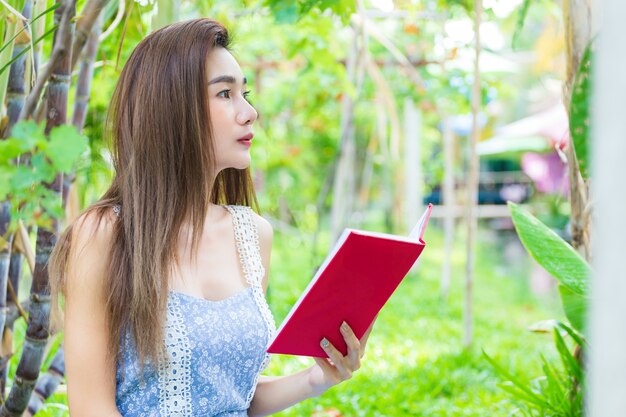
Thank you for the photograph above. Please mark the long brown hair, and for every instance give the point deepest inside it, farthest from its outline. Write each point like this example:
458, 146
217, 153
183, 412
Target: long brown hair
162, 149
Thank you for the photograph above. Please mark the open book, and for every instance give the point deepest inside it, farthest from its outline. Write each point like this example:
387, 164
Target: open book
356, 279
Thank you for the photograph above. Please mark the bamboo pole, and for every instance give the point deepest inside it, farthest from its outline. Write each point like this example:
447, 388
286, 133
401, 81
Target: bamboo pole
47, 383
16, 86
5, 257
472, 185
37, 331
607, 371
11, 27
89, 14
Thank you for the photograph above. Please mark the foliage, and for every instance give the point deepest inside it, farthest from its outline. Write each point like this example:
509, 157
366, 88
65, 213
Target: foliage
24, 184
580, 111
559, 392
558, 258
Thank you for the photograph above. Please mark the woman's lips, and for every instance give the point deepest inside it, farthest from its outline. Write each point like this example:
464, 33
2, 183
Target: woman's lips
246, 140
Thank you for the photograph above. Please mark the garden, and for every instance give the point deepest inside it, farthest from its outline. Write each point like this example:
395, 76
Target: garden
369, 110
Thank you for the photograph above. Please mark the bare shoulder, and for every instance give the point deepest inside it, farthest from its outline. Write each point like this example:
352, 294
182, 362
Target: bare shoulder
266, 233
91, 240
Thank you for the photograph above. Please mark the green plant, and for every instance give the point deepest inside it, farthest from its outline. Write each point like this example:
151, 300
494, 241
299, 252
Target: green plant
24, 184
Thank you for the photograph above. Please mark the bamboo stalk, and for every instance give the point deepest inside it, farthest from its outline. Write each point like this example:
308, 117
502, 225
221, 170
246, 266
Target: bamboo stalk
85, 75
11, 23
59, 51
38, 29
14, 310
16, 87
47, 383
37, 331
472, 186
5, 257
84, 25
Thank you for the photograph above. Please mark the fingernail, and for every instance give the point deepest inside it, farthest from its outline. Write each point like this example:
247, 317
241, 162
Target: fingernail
324, 343
344, 326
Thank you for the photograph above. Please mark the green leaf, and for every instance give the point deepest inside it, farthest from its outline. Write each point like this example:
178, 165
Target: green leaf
555, 387
284, 12
551, 252
42, 170
577, 337
579, 111
65, 147
569, 361
525, 392
29, 134
9, 149
575, 307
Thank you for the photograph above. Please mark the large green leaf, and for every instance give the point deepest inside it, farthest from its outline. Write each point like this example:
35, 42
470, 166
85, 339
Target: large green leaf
575, 307
558, 258
551, 252
579, 111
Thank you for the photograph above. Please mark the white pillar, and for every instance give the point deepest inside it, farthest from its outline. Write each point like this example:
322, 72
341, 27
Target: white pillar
607, 373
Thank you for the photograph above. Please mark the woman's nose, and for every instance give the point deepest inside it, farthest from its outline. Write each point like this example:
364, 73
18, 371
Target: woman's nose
247, 114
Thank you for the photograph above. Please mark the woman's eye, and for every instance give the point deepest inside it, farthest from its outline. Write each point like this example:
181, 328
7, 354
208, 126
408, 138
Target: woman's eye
225, 94
246, 95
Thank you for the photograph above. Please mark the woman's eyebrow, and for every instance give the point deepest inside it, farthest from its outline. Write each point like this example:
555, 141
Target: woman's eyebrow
229, 79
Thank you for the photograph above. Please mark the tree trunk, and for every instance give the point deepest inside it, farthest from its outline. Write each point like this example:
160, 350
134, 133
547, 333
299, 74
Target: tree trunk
472, 185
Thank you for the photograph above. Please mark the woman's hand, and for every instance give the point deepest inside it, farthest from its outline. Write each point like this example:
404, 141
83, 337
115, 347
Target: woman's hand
337, 368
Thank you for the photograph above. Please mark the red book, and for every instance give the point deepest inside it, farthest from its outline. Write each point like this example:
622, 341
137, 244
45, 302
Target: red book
356, 279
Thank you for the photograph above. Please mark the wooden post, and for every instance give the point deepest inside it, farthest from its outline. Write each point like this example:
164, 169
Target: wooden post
448, 204
412, 165
607, 373
472, 185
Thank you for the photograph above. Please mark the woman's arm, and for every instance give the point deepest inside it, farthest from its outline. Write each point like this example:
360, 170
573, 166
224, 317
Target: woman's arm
274, 394
90, 376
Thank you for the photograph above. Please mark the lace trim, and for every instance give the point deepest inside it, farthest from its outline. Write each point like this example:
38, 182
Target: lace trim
175, 371
247, 242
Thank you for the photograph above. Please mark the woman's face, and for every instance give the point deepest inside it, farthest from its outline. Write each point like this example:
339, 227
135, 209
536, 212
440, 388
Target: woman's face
232, 116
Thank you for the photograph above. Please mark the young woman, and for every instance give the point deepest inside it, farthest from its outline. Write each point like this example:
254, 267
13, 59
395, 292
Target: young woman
164, 277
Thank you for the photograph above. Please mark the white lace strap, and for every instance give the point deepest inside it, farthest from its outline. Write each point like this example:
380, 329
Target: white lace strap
247, 241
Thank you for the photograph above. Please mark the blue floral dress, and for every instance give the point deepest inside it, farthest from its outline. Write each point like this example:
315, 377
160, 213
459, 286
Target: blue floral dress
215, 349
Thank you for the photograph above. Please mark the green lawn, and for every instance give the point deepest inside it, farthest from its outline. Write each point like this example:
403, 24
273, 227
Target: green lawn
415, 364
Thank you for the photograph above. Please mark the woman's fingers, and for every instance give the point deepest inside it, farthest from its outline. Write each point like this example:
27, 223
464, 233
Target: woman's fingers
366, 336
354, 346
337, 358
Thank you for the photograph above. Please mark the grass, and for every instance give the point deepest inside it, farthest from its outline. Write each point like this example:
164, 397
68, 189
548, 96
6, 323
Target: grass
415, 363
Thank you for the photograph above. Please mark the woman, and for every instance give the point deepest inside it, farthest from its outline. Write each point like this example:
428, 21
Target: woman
164, 277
